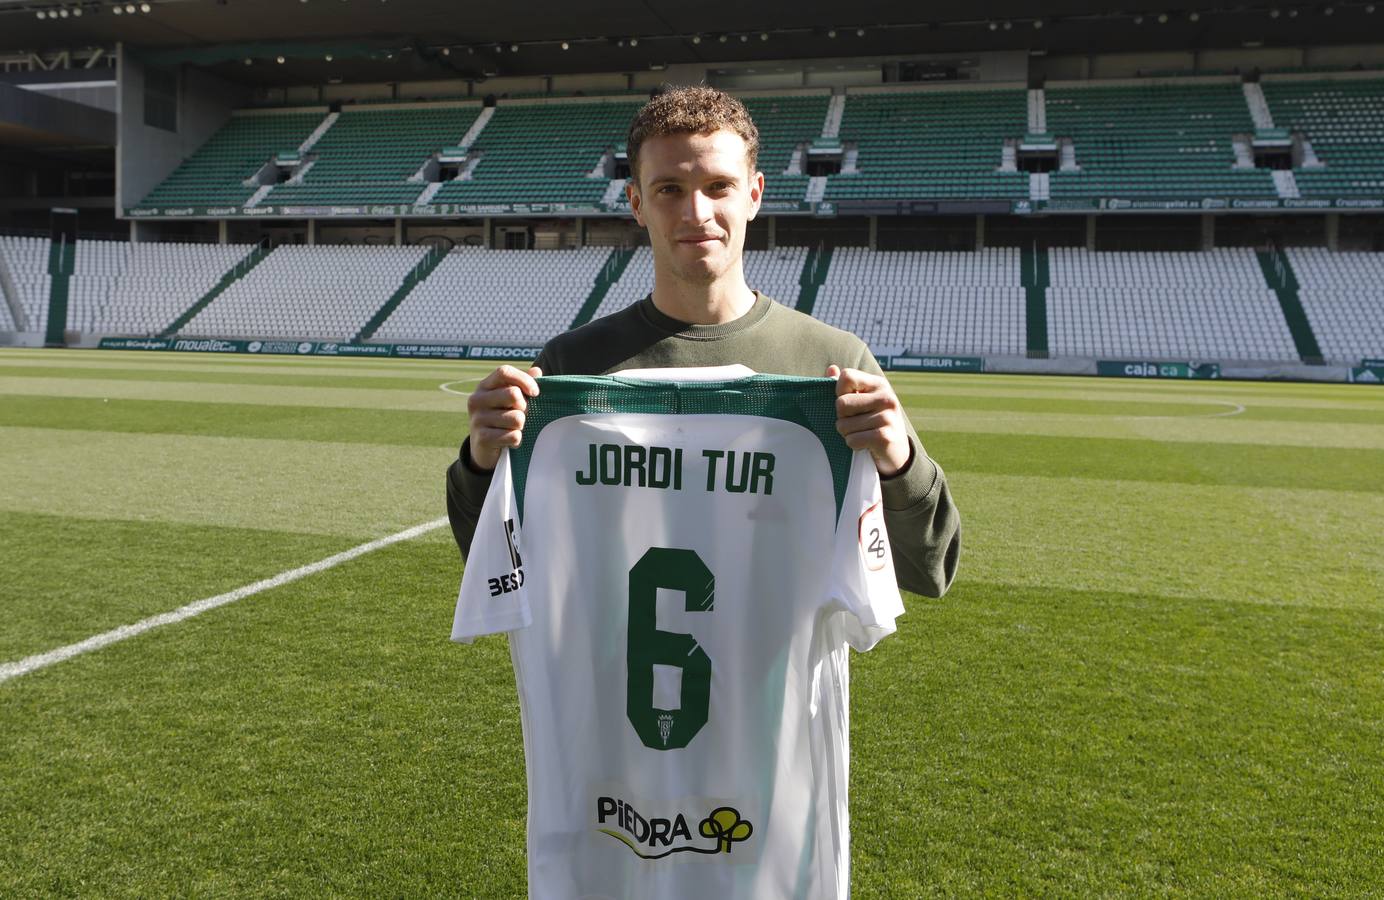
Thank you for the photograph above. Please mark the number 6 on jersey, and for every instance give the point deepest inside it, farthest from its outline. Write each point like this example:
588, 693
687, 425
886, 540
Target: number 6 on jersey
646, 647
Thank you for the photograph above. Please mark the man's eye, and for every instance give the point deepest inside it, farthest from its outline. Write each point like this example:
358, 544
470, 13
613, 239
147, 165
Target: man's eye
668, 189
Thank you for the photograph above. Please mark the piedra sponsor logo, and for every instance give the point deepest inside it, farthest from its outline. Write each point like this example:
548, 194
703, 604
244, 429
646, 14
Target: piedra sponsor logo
659, 836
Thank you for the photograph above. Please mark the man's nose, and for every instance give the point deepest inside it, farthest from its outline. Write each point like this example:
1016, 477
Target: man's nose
698, 207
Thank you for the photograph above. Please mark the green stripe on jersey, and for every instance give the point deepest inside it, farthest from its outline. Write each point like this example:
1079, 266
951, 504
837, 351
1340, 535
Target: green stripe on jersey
809, 402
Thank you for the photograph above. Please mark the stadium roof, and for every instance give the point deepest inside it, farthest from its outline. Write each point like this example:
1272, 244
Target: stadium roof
422, 39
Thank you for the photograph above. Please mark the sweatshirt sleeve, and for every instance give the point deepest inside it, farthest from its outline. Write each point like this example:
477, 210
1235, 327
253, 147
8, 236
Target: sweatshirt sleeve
923, 523
466, 490
467, 487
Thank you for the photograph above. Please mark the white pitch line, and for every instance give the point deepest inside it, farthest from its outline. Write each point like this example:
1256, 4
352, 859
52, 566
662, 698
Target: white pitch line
96, 642
447, 385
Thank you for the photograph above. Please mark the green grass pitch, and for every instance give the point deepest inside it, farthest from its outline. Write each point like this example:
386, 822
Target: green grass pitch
1160, 672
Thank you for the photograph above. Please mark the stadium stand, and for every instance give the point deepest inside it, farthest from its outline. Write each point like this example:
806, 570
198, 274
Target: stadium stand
543, 152
773, 272
368, 155
960, 303
497, 296
1154, 141
637, 280
1343, 120
307, 292
26, 259
937, 143
214, 175
785, 124
1178, 306
139, 289
1343, 296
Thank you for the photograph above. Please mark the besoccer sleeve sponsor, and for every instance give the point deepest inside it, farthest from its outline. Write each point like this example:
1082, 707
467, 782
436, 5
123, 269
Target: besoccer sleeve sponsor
492, 597
863, 582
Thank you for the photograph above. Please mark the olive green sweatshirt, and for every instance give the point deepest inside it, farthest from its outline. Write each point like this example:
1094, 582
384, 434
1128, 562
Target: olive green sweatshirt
924, 526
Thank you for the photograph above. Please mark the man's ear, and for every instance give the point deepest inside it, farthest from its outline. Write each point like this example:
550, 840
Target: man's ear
636, 201
756, 193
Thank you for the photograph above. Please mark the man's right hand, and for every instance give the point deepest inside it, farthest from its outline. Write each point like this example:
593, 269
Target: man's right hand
497, 413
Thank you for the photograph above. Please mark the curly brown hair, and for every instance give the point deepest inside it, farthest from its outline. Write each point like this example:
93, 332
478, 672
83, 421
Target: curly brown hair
691, 110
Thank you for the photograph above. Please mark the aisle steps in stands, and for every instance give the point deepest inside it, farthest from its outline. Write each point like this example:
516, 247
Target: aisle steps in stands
317, 132
1037, 111
11, 292
62, 260
614, 192
831, 128
1279, 276
1285, 182
614, 267
477, 126
258, 196
238, 271
815, 270
1258, 105
415, 277
1035, 275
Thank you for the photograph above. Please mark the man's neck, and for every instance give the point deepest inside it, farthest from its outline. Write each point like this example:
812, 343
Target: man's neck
721, 301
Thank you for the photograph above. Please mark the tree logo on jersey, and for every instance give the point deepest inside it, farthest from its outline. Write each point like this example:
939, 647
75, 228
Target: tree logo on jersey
647, 838
874, 540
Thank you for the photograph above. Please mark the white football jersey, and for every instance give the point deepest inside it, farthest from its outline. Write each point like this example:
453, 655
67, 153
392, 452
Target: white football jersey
680, 566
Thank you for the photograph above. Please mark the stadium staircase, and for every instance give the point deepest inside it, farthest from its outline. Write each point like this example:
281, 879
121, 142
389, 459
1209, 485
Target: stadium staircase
62, 260
1279, 275
814, 275
1343, 296
1342, 122
1258, 106
415, 277
944, 144
14, 315
1160, 141
614, 267
237, 272
1035, 276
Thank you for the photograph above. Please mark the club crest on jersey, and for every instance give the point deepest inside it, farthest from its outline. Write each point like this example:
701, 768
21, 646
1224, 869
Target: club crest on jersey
657, 837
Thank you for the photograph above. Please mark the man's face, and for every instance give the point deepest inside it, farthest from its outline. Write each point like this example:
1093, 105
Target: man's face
694, 195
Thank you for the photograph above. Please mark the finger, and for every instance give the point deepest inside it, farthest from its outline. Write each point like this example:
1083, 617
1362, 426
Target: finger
497, 437
507, 397
853, 404
524, 380
833, 371
508, 375
505, 419
853, 380
877, 421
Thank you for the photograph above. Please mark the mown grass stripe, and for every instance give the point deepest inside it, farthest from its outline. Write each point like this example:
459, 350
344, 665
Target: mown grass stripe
125, 632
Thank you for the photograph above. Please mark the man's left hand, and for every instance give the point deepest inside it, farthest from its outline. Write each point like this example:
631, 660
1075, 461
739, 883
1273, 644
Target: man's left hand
870, 417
